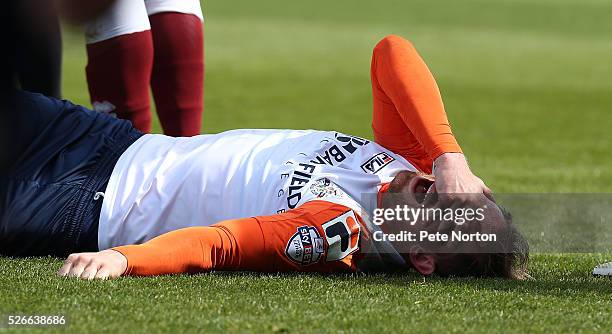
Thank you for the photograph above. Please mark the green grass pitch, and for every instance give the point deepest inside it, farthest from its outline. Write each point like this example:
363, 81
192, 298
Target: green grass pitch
526, 84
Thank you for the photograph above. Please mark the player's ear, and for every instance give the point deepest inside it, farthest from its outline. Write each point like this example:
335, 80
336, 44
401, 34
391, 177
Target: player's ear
423, 263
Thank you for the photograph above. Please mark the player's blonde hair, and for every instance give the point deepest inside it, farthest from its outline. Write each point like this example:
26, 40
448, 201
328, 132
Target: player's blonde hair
510, 263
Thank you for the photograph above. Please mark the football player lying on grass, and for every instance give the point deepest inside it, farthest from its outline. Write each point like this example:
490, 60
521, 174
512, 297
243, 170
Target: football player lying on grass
255, 200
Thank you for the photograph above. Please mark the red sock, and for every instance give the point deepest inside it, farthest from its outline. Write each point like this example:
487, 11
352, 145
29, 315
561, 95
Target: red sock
118, 74
178, 72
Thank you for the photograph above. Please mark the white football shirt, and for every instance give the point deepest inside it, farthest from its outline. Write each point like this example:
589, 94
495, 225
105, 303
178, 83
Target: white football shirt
162, 183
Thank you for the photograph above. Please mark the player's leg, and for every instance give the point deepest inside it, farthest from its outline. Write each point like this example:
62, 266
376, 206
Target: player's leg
48, 201
22, 123
120, 59
39, 47
178, 68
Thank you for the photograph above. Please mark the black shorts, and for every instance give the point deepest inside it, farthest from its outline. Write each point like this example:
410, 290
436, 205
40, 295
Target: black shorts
65, 155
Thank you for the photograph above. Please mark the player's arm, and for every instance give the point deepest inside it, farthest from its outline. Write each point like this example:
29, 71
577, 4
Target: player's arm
263, 244
409, 117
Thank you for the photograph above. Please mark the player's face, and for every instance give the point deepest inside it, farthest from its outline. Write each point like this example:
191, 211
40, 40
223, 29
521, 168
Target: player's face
450, 256
417, 191
413, 188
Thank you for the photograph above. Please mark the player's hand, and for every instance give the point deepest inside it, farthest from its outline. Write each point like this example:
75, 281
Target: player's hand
100, 265
455, 182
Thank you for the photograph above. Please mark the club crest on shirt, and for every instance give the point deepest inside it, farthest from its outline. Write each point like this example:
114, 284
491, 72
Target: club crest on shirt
305, 246
324, 187
377, 162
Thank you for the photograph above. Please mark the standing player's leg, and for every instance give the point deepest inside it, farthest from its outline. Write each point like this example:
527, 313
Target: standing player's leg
120, 60
177, 80
38, 47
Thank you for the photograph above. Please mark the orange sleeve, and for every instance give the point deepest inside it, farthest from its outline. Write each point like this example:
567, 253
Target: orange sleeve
318, 236
408, 116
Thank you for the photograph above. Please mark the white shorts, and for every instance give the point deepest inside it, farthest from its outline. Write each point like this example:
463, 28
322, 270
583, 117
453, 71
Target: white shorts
130, 16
